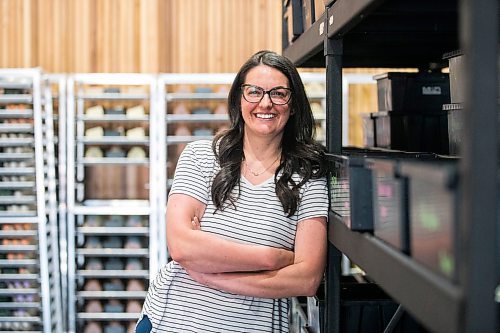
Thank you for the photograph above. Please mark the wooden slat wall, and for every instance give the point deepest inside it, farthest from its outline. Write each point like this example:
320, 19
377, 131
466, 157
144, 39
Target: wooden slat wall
136, 36
147, 36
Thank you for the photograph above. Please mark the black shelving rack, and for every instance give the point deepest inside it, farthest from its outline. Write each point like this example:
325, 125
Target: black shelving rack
416, 33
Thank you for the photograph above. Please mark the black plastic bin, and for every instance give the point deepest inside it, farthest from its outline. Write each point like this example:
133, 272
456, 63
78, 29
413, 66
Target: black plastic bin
350, 191
400, 91
425, 132
390, 206
351, 183
433, 194
365, 308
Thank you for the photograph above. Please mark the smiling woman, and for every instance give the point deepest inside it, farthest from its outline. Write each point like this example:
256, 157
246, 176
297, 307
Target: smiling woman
246, 213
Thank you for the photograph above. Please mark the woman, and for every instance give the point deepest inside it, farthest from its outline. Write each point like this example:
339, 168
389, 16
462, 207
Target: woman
246, 213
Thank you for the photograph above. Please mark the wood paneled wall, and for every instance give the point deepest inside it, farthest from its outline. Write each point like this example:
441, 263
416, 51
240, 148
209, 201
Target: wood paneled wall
147, 36
144, 36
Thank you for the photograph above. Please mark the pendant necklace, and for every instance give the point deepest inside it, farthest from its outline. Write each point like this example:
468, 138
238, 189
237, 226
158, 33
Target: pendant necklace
256, 174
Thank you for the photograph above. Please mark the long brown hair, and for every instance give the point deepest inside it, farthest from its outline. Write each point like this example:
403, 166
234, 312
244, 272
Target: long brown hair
301, 154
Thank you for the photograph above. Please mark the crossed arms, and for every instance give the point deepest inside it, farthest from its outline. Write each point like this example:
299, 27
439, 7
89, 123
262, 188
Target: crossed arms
245, 269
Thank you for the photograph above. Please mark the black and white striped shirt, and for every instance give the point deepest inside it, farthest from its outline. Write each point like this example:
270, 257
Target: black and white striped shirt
176, 303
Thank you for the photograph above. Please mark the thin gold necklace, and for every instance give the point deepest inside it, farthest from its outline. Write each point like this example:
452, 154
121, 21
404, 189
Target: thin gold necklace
256, 174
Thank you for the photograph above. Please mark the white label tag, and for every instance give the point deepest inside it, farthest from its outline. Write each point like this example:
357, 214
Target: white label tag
431, 90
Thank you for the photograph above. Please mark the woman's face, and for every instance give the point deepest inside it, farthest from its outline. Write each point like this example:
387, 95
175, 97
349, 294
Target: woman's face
265, 118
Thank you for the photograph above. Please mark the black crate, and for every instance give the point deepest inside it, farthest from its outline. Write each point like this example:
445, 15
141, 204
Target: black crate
415, 92
425, 132
390, 218
351, 183
365, 308
350, 191
433, 213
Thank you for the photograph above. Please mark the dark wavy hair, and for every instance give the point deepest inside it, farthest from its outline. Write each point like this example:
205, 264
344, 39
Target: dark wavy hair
300, 153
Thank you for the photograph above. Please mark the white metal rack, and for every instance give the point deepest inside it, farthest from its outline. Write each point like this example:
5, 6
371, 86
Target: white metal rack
55, 103
29, 280
110, 91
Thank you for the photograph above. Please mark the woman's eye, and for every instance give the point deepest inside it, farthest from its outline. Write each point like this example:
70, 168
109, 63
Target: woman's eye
278, 93
254, 92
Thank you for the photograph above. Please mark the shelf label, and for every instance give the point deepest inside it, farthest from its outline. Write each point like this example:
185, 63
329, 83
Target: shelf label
321, 28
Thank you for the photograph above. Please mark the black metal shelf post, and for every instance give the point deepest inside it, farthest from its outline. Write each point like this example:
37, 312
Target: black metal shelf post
479, 167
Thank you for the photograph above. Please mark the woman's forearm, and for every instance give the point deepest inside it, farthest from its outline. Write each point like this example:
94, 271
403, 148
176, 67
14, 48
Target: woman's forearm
209, 253
293, 280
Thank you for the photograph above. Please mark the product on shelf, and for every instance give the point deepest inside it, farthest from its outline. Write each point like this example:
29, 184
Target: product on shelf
133, 242
137, 133
114, 327
202, 90
93, 242
415, 92
114, 264
92, 285
204, 131
93, 306
115, 131
93, 221
134, 221
112, 90
114, 285
115, 151
95, 111
94, 132
131, 327
113, 306
114, 221
94, 152
135, 111
115, 110
133, 264
136, 152
133, 306
135, 285
113, 242
180, 109
92, 327
94, 264
201, 110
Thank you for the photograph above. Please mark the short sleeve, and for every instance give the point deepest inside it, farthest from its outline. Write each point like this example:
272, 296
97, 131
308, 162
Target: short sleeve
190, 177
314, 200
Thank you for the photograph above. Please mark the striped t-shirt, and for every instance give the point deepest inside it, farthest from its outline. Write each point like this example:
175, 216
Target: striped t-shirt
176, 303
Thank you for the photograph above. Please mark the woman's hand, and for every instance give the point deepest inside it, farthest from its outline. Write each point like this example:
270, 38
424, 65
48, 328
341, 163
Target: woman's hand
195, 223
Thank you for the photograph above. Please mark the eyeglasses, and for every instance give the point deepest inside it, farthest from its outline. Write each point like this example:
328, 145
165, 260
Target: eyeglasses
255, 94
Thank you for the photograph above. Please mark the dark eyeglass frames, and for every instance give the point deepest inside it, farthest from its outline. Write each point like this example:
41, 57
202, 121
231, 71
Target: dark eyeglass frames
255, 94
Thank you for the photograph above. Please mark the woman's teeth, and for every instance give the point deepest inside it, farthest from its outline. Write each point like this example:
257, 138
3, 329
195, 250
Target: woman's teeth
265, 116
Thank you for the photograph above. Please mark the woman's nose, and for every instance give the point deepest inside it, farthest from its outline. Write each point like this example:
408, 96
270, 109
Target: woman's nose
266, 100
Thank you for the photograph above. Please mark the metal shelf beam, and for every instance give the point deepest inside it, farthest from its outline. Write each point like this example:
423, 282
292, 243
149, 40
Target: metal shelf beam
419, 290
